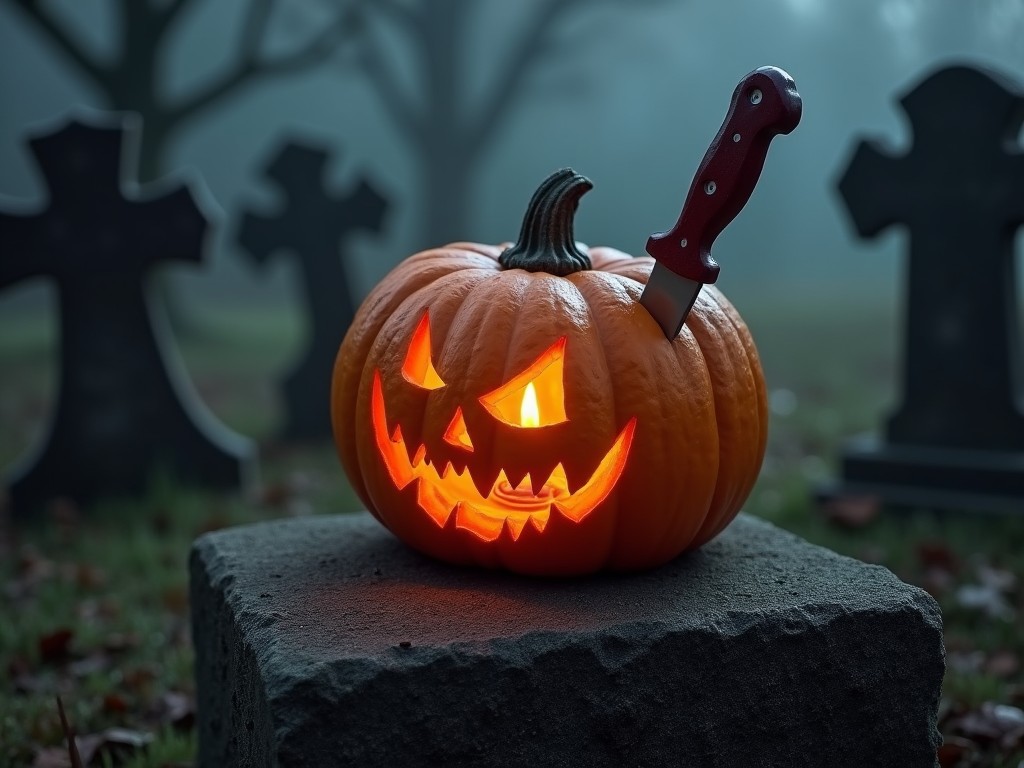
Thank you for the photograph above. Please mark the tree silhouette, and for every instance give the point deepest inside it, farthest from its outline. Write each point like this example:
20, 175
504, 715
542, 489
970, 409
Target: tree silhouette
447, 130
133, 78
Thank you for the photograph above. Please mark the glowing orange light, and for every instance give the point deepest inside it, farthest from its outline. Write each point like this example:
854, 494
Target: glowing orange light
541, 381
418, 368
457, 434
529, 411
505, 510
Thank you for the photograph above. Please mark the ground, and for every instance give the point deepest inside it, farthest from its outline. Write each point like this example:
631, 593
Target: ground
95, 600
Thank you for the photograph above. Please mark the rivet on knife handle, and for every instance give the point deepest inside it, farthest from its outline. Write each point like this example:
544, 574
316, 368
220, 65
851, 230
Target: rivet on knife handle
764, 105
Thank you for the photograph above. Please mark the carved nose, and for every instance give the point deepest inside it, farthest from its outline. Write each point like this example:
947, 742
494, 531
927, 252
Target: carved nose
457, 434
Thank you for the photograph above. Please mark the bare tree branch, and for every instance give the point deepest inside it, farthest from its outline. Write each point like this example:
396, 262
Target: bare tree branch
397, 103
168, 13
174, 7
531, 43
254, 29
403, 15
250, 66
57, 35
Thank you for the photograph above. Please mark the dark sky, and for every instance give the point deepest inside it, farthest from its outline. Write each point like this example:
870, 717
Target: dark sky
631, 99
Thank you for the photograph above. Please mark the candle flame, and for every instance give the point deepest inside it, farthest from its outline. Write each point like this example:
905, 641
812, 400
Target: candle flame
529, 411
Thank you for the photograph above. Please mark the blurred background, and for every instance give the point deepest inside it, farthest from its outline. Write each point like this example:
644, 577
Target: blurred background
455, 110
627, 94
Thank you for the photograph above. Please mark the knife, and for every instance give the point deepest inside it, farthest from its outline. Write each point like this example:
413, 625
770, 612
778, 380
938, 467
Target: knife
764, 105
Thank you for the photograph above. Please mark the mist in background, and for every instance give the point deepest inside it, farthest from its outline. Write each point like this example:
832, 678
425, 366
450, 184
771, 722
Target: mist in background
629, 94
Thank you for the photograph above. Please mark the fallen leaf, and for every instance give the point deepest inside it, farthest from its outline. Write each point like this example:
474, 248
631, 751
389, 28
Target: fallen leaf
175, 599
55, 646
92, 664
953, 750
937, 554
89, 577
114, 703
852, 511
276, 494
989, 723
984, 598
178, 710
33, 569
119, 642
139, 677
117, 743
52, 757
1003, 664
998, 579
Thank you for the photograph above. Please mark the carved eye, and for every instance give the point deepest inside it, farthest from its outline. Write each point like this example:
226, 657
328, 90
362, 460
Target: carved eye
417, 368
535, 397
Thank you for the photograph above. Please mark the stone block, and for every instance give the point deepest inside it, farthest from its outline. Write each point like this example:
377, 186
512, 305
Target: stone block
326, 642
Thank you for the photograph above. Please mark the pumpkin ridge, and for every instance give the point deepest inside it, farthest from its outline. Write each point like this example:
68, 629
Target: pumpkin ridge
711, 340
613, 498
490, 313
681, 522
742, 489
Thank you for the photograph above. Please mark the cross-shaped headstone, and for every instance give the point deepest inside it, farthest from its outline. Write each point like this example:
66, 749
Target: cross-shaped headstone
314, 226
125, 412
960, 193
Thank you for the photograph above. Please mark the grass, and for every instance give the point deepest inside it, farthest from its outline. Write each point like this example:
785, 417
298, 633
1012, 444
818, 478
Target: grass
96, 601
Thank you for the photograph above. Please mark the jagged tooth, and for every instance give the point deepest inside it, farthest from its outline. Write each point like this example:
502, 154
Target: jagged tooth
512, 529
538, 523
532, 529
464, 509
459, 465
429, 506
447, 469
537, 483
516, 477
550, 478
452, 522
485, 479
396, 436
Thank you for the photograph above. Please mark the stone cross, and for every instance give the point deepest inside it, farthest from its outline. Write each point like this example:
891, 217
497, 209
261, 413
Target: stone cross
960, 193
125, 412
314, 227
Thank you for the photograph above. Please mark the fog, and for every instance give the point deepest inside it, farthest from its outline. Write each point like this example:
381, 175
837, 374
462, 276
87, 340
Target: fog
627, 94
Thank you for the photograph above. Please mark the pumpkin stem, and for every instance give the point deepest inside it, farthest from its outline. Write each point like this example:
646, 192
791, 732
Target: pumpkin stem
546, 242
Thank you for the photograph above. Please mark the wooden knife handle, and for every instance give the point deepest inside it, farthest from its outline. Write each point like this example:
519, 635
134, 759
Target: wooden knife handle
764, 105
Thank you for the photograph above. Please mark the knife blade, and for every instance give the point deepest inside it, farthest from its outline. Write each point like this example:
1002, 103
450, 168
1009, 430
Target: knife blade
764, 105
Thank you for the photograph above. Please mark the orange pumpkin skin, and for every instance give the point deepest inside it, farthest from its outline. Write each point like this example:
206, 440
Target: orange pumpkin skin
694, 407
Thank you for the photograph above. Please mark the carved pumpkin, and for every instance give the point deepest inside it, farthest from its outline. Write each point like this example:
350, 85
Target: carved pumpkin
519, 408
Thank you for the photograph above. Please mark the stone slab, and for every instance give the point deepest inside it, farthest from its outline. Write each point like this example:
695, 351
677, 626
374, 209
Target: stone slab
326, 642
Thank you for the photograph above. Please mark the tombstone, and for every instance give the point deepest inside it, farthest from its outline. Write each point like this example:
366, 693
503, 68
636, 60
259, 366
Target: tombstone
125, 412
325, 641
956, 439
314, 227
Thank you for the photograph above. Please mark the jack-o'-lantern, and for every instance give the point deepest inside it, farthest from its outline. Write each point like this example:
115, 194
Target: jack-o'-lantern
519, 408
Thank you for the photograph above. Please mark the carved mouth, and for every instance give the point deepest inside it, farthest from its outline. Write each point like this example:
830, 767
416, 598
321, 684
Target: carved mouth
504, 507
